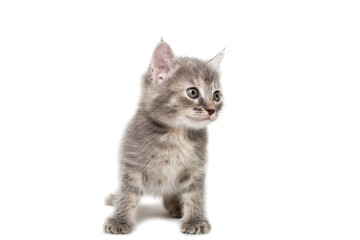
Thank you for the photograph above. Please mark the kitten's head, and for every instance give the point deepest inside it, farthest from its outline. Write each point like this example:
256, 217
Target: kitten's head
182, 91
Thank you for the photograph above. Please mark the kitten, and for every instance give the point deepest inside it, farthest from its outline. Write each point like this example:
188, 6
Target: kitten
163, 151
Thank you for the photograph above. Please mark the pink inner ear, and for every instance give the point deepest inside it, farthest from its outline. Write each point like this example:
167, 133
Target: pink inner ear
163, 59
163, 68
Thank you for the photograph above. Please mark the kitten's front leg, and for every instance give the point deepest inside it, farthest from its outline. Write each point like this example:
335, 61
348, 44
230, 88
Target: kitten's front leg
123, 219
194, 220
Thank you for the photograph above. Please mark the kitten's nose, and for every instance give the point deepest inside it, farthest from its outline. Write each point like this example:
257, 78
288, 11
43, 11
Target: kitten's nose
210, 111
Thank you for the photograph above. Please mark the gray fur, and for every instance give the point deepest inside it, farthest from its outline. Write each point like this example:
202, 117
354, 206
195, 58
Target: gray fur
163, 152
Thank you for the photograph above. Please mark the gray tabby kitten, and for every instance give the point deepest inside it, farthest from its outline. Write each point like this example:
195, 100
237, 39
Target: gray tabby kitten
163, 151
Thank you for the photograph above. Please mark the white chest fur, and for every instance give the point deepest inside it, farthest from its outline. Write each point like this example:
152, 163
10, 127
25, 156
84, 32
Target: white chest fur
163, 173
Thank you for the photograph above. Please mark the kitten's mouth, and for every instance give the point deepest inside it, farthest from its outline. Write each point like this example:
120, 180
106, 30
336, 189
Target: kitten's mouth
207, 118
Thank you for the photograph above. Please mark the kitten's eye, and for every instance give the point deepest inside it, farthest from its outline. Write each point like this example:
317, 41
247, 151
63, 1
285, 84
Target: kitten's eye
192, 92
217, 96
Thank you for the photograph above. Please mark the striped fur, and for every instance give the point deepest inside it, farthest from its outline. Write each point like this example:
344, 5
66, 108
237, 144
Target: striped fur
163, 152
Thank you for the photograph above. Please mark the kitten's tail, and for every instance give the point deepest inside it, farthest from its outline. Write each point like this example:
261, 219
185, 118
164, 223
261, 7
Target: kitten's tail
109, 200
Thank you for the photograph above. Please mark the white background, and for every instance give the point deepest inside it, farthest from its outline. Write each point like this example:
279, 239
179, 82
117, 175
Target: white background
283, 157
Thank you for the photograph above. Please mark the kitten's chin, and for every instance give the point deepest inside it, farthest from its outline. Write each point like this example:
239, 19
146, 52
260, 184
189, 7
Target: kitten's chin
193, 123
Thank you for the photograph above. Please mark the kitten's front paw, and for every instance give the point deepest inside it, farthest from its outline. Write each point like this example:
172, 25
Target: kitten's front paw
116, 226
196, 227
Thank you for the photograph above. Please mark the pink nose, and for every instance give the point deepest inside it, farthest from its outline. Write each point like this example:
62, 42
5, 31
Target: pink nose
210, 111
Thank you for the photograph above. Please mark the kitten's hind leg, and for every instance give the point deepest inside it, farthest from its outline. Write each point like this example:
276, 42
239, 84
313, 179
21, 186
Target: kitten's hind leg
173, 205
109, 200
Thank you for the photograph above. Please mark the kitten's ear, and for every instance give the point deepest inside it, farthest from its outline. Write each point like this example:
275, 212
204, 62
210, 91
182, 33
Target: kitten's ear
163, 62
215, 62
